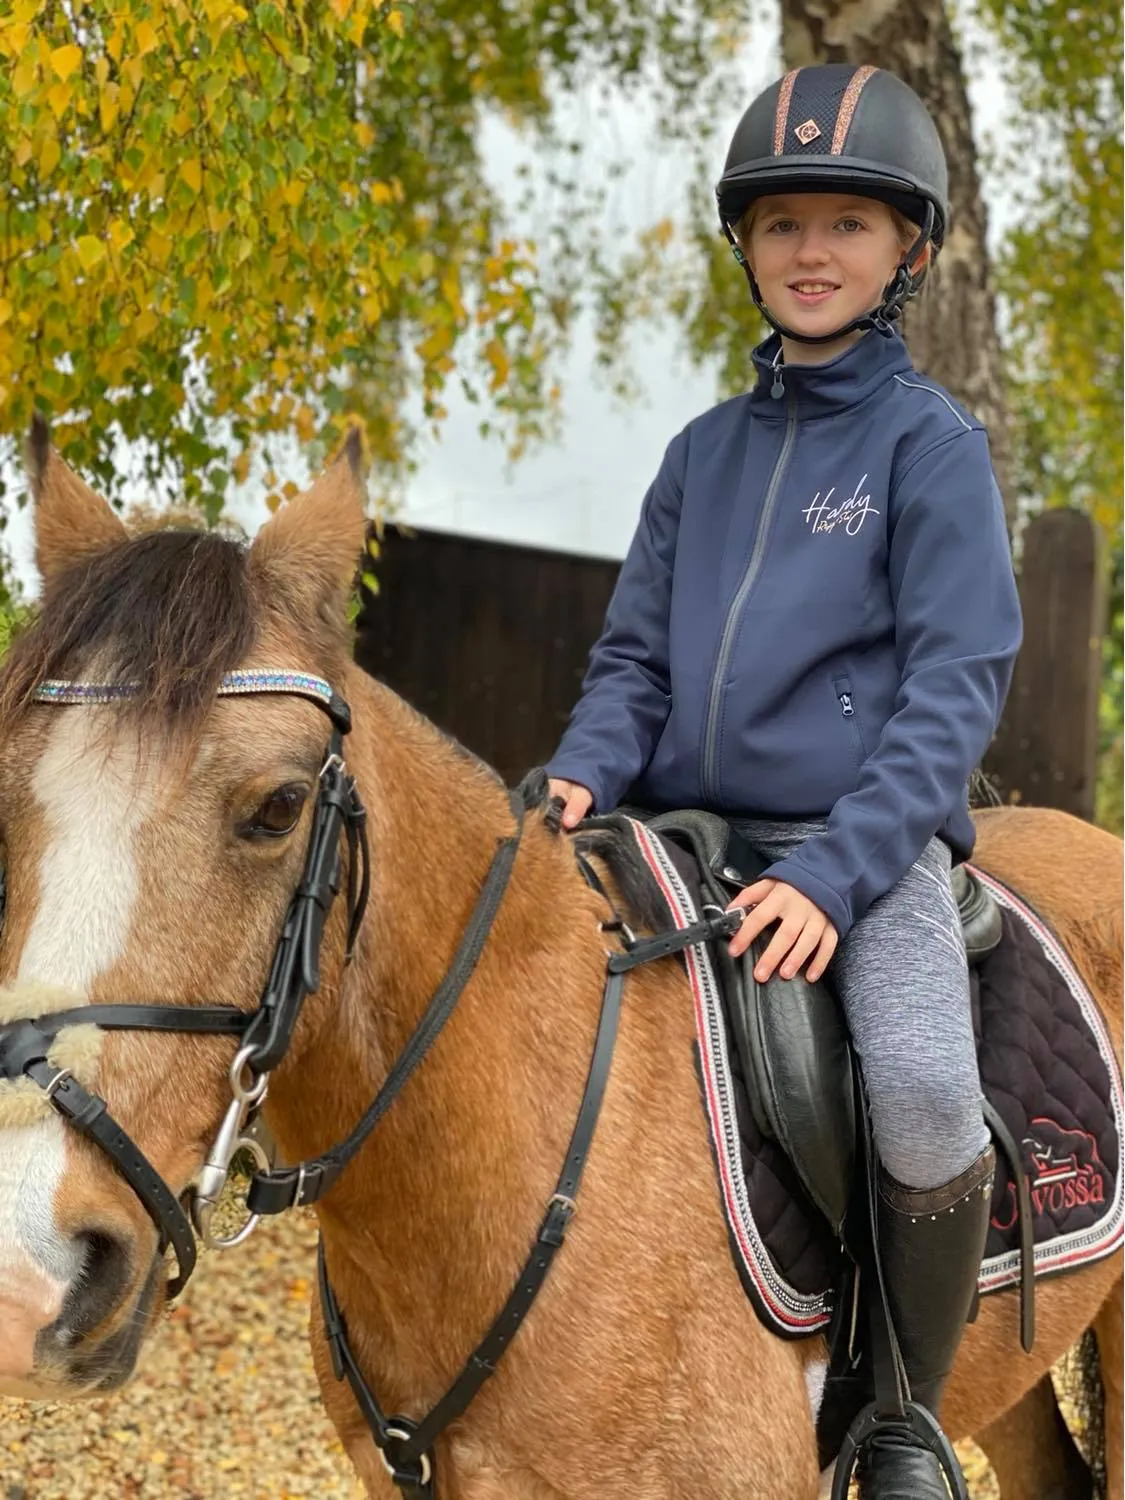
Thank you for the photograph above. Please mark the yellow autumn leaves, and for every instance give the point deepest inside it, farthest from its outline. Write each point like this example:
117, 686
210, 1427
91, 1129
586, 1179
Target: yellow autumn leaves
218, 230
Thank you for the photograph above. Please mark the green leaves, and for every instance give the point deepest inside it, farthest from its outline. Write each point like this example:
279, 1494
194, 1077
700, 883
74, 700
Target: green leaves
1060, 271
226, 221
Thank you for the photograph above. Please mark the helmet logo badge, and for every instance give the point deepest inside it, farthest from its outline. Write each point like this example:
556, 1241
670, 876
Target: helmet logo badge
807, 132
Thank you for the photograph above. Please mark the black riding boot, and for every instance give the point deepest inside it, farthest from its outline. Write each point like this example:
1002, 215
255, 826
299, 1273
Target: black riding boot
931, 1245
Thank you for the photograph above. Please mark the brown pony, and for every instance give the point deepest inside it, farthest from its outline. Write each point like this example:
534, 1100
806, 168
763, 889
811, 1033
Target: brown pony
151, 847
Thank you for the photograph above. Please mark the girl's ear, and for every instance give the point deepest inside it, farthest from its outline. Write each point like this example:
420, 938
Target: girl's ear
922, 259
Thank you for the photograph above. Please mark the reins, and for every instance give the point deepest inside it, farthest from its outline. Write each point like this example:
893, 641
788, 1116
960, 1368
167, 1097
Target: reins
404, 1443
294, 1187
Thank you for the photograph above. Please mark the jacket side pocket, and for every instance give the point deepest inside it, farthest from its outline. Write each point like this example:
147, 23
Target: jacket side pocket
845, 703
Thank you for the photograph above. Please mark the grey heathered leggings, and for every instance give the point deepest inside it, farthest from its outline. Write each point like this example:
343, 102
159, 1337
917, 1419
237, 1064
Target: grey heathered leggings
903, 981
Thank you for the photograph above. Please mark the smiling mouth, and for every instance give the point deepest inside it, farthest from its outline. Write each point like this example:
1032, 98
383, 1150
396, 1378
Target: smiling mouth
813, 288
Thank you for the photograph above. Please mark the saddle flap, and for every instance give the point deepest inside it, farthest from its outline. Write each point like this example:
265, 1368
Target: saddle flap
791, 1034
795, 1045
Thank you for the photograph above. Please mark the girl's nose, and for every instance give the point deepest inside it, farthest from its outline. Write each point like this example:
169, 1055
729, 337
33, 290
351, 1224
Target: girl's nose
812, 247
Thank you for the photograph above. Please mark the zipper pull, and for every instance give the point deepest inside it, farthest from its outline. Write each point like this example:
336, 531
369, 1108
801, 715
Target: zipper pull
777, 389
846, 706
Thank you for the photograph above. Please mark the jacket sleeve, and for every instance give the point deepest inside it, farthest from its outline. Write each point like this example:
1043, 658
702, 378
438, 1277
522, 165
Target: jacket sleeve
626, 693
958, 629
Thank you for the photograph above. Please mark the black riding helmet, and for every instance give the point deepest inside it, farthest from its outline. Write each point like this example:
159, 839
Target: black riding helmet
838, 128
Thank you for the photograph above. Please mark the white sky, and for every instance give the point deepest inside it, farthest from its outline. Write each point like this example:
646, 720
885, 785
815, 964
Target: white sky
583, 493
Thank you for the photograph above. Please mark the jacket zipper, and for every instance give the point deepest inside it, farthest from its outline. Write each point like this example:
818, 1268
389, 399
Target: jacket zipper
710, 777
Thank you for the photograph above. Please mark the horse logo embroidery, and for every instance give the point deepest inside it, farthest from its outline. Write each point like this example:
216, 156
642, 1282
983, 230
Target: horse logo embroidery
1064, 1173
822, 516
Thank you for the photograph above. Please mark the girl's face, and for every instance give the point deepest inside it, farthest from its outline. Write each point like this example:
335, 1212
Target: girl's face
820, 260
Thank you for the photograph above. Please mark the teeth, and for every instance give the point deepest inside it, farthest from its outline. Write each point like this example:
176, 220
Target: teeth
814, 286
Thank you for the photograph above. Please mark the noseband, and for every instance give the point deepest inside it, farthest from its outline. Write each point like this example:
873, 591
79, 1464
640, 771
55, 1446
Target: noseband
264, 1033
405, 1444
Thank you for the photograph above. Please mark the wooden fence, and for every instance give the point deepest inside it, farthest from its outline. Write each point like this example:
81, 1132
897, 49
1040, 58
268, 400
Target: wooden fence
490, 641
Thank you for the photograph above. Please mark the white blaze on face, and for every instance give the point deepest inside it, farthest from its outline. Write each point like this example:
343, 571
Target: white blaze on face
92, 801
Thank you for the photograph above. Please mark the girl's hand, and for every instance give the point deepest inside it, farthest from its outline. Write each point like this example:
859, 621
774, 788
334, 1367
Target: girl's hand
802, 928
577, 798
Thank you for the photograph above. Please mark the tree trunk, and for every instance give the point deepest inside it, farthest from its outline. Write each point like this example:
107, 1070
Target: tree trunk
951, 327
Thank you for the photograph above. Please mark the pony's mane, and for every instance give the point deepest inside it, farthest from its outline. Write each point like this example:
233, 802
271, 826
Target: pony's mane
642, 905
169, 610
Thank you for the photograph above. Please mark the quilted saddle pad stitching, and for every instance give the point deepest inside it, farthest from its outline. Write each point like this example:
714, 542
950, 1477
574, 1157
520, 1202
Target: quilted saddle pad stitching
1102, 1238
795, 1313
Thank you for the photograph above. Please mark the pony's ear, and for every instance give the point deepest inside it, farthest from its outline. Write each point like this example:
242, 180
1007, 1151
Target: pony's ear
309, 552
71, 521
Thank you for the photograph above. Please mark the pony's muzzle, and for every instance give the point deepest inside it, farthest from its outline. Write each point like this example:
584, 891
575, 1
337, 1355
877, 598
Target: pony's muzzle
44, 1321
29, 1302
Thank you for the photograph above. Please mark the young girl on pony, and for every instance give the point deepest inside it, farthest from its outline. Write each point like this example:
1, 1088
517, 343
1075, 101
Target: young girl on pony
813, 633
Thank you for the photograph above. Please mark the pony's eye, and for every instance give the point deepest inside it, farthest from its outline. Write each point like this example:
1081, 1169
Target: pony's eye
278, 814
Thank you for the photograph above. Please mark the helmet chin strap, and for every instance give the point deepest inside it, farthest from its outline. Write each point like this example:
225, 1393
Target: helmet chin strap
896, 293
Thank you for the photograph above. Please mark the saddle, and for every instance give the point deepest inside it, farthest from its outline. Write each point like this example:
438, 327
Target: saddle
791, 1034
783, 1097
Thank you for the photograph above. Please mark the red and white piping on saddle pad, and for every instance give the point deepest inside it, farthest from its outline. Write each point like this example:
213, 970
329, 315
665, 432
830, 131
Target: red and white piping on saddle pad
793, 1312
796, 1313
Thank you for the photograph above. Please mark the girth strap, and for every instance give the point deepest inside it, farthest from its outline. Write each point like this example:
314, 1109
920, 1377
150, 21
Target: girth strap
406, 1446
1005, 1141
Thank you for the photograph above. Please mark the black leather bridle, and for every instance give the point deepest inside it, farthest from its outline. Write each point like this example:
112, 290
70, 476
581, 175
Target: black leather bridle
264, 1033
405, 1444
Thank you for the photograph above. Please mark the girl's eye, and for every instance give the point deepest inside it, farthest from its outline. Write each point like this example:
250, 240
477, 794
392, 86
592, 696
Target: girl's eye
781, 226
851, 224
277, 814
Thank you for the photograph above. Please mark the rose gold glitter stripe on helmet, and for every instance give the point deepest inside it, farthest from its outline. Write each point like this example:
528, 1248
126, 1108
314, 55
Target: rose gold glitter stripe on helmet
782, 116
847, 106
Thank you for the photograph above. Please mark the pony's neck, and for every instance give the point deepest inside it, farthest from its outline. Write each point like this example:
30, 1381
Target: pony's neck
442, 1202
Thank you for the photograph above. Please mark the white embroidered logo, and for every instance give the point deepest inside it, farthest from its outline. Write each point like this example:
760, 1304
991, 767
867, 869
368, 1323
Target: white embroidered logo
850, 514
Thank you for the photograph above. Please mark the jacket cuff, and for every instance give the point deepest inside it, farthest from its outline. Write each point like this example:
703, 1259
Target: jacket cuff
831, 904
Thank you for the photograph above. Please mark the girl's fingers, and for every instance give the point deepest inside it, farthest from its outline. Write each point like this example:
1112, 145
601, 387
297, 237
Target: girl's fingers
823, 953
750, 895
778, 946
577, 806
800, 950
760, 917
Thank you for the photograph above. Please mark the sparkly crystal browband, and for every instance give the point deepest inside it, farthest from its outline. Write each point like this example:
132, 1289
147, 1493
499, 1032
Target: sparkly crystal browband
233, 685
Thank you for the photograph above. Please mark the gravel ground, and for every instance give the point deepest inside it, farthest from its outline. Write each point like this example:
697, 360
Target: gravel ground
225, 1404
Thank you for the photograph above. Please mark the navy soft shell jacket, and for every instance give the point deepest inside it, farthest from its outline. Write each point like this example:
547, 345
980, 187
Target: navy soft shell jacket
817, 616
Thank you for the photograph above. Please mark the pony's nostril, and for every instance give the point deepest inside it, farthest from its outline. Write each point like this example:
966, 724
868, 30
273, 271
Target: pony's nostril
98, 1287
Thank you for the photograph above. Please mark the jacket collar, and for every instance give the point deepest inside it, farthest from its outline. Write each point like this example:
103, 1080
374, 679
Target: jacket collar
821, 390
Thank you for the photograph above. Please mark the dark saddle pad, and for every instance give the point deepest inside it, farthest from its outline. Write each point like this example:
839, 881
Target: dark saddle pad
775, 1071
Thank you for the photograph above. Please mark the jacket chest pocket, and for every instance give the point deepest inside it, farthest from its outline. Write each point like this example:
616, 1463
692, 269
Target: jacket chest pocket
845, 707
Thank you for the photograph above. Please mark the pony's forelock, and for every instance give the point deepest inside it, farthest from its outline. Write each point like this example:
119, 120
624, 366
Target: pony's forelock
171, 611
